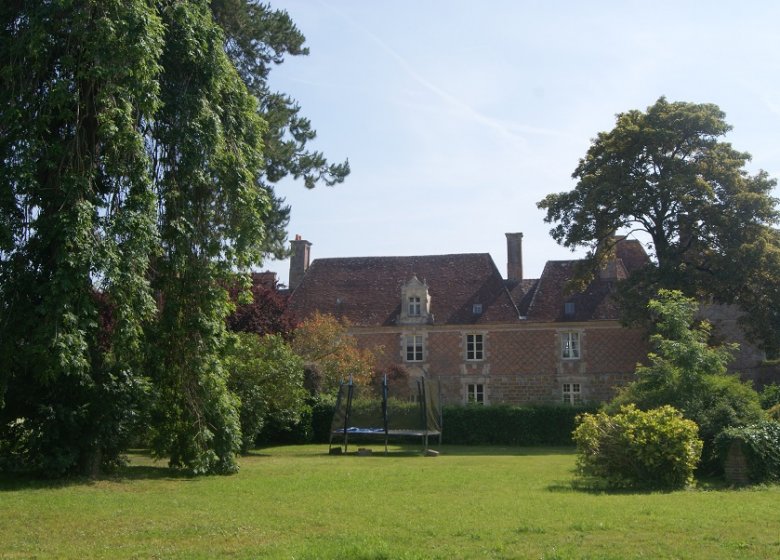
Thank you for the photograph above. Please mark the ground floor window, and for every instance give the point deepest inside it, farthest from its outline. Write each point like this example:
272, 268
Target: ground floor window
475, 393
414, 348
572, 393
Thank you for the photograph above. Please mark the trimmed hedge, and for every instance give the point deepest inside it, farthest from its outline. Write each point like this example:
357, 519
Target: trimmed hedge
511, 425
463, 425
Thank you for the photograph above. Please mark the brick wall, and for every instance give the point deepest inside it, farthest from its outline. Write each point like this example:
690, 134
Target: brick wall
521, 365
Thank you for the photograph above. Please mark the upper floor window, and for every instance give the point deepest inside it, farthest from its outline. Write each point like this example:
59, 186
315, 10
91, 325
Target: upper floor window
475, 347
414, 348
415, 308
476, 309
572, 393
570, 345
475, 393
568, 309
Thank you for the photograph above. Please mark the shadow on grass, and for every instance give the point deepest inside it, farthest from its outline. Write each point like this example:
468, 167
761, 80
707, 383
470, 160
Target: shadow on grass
410, 450
16, 481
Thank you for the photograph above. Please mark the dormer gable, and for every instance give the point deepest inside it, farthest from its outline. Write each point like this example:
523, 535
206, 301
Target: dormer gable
415, 302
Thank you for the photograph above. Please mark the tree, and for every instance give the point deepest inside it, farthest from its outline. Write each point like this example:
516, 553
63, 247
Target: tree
267, 376
76, 218
685, 372
331, 354
266, 313
139, 143
665, 173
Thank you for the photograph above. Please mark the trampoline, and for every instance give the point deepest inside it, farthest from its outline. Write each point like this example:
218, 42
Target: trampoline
360, 414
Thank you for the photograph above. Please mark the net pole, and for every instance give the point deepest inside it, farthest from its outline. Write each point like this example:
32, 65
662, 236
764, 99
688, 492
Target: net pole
350, 390
384, 408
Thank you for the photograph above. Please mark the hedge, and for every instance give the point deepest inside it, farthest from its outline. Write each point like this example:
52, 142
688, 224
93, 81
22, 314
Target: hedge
511, 425
463, 425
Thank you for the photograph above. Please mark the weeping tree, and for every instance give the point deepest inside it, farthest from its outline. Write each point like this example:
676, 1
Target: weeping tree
77, 227
140, 145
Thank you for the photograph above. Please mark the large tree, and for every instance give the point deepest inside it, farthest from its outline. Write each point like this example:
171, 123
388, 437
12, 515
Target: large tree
139, 143
76, 218
667, 173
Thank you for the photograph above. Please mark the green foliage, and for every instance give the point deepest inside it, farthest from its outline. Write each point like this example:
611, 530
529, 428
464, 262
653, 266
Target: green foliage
634, 448
134, 184
509, 425
689, 374
761, 446
267, 377
770, 396
665, 172
76, 215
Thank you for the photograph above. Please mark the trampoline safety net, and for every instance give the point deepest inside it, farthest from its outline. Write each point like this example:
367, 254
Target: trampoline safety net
360, 412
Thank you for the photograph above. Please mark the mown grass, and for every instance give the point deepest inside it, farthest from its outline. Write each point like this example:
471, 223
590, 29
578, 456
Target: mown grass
298, 502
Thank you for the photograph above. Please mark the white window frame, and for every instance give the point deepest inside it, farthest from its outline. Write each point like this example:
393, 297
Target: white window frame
475, 393
475, 347
572, 393
414, 348
571, 345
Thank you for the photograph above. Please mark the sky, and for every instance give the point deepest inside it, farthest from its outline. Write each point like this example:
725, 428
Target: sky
458, 117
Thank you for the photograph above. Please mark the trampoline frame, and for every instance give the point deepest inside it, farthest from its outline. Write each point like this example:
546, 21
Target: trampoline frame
384, 432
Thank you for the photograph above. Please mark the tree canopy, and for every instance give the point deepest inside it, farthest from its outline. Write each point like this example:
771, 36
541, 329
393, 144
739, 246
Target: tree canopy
667, 173
140, 142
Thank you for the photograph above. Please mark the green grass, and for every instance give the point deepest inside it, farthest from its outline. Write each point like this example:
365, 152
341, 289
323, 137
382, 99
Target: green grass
299, 502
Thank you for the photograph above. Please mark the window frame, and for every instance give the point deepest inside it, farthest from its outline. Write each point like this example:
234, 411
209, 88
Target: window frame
475, 347
475, 393
571, 345
414, 348
571, 393
414, 308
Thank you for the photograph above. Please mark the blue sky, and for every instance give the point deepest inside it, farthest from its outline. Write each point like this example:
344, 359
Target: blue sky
457, 117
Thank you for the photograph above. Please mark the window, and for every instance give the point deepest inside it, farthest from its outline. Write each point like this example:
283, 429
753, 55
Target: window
415, 308
571, 393
568, 309
570, 345
476, 309
475, 347
475, 393
414, 348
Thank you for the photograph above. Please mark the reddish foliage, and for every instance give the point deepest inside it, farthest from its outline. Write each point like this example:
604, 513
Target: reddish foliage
267, 314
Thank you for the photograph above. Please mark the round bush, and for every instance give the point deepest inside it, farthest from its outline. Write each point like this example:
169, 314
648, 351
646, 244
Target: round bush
635, 448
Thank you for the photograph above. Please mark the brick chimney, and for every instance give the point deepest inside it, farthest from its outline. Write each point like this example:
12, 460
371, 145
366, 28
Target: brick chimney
514, 256
299, 261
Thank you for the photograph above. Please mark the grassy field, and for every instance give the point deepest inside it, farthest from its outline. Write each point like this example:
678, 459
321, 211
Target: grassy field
299, 502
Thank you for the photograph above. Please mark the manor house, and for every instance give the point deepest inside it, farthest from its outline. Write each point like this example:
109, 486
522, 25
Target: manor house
487, 339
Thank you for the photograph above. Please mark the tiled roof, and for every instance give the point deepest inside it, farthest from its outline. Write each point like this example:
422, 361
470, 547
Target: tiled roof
367, 290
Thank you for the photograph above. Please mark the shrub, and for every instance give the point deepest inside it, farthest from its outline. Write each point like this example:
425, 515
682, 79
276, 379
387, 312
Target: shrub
760, 445
633, 448
770, 396
510, 425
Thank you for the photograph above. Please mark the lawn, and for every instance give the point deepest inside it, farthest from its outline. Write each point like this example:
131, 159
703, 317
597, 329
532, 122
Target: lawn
298, 502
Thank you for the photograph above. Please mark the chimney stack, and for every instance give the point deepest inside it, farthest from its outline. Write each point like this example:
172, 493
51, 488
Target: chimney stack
514, 256
299, 261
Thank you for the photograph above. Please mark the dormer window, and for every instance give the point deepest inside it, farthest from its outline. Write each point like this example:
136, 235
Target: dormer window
414, 306
568, 309
476, 309
415, 303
